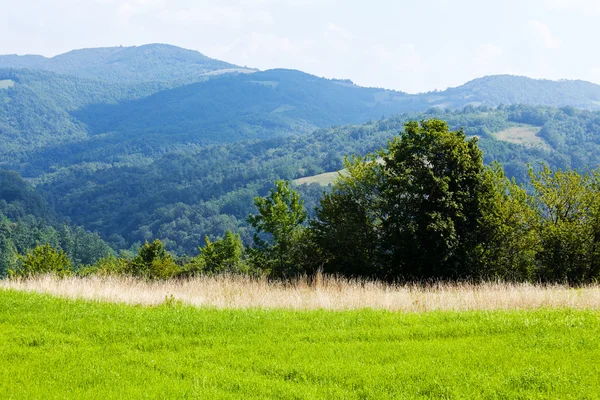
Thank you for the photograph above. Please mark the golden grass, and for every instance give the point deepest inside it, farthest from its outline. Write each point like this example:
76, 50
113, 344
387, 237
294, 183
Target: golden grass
324, 293
327, 178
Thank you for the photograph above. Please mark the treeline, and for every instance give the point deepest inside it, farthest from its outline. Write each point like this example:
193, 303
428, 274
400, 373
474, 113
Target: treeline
17, 237
27, 221
424, 208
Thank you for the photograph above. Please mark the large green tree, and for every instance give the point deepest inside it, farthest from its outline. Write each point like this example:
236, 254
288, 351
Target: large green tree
347, 228
416, 213
568, 207
279, 230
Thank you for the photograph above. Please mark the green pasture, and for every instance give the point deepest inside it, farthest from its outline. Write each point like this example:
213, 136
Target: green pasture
53, 348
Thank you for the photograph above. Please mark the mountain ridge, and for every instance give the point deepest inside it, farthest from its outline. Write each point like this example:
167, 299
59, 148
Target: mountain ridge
146, 63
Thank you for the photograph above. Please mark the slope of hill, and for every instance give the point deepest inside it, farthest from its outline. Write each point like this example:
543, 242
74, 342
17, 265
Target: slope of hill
148, 63
181, 197
18, 199
263, 104
509, 89
50, 121
35, 110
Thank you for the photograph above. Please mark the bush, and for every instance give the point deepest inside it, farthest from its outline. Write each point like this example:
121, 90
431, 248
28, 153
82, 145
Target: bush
42, 260
153, 262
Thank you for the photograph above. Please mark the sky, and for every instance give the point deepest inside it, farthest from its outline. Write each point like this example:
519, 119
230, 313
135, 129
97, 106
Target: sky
412, 46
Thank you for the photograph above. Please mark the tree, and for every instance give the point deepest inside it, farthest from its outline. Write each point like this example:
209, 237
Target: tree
153, 262
509, 252
223, 255
280, 218
417, 213
347, 230
42, 260
434, 194
568, 206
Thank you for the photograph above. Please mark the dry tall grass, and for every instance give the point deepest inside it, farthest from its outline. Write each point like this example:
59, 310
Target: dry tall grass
324, 293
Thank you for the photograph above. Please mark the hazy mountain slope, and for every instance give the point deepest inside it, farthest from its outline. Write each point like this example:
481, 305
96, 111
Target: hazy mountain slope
509, 89
18, 199
35, 109
50, 121
148, 63
264, 104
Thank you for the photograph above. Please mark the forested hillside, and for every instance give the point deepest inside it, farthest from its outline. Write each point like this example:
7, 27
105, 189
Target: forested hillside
148, 63
101, 108
509, 89
36, 110
138, 143
260, 105
181, 197
26, 221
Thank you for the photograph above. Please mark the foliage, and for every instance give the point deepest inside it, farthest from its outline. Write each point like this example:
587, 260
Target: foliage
280, 216
42, 260
425, 208
433, 197
27, 221
107, 266
420, 211
347, 225
183, 196
568, 205
430, 209
153, 262
510, 248
225, 255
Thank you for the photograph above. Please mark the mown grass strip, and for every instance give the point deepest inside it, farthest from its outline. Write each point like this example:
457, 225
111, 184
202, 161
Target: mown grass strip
55, 348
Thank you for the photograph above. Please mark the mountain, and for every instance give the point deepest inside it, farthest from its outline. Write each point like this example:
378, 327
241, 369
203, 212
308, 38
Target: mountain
148, 63
509, 89
290, 102
36, 107
260, 105
157, 141
50, 121
18, 199
99, 108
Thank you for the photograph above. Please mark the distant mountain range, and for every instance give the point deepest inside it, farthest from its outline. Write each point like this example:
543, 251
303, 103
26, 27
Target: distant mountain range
112, 104
148, 63
159, 141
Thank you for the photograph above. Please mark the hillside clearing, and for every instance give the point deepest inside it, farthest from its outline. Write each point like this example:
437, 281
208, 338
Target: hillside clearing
524, 135
6, 83
322, 179
323, 293
53, 348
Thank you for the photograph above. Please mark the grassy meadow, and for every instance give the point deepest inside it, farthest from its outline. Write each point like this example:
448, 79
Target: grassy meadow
56, 348
524, 135
324, 179
6, 83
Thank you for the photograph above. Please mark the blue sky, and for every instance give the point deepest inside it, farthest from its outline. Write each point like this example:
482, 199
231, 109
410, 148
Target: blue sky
412, 46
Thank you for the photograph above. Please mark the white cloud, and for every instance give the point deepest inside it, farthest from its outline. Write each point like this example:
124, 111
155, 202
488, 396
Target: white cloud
542, 31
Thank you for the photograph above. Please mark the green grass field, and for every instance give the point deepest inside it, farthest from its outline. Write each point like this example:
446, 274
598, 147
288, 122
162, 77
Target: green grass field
52, 348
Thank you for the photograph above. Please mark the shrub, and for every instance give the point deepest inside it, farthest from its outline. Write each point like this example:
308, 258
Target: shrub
42, 260
153, 262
